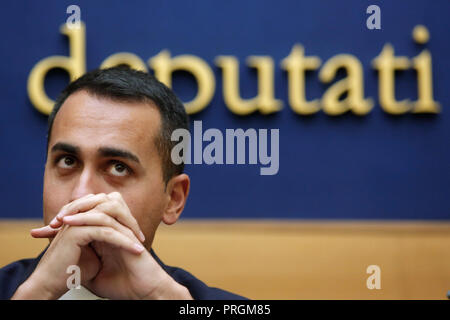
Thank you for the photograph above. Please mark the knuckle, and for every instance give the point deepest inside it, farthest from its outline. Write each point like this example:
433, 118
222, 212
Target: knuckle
93, 212
66, 206
116, 203
102, 206
115, 195
73, 206
107, 232
108, 219
102, 196
109, 208
130, 234
135, 222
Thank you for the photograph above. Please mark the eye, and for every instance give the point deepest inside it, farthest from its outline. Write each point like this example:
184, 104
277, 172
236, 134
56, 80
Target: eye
66, 162
119, 169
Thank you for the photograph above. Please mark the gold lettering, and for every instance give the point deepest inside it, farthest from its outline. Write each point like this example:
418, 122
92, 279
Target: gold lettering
296, 64
130, 59
264, 101
386, 64
164, 66
425, 102
353, 84
75, 65
422, 63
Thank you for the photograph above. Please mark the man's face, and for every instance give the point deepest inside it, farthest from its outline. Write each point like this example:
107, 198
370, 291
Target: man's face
98, 145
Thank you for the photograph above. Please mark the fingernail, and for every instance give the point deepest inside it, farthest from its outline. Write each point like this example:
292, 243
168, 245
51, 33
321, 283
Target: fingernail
141, 235
139, 247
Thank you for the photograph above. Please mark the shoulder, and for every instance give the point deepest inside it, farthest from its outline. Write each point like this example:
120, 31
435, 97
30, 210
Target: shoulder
14, 274
197, 288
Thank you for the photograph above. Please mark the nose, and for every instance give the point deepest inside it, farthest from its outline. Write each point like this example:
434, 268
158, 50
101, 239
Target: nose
87, 182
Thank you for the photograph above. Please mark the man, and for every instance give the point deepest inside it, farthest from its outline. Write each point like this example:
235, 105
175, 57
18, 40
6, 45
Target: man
108, 183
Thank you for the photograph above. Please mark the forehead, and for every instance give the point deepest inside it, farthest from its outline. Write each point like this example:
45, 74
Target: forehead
91, 122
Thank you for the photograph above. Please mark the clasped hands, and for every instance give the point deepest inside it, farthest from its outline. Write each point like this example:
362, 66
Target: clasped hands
99, 234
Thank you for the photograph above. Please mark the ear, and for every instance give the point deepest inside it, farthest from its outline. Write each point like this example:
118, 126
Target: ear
177, 191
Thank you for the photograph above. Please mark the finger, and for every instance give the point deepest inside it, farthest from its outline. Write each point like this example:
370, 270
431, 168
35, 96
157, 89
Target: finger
85, 203
84, 235
127, 218
112, 204
44, 232
119, 211
57, 223
97, 218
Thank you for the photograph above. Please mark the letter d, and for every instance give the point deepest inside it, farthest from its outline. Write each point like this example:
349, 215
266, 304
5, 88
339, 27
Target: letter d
75, 65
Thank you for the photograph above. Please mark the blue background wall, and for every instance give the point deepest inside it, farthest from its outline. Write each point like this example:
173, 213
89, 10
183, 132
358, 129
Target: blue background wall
373, 167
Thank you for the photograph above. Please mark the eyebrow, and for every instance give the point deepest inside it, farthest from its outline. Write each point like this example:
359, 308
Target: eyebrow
103, 151
119, 153
66, 147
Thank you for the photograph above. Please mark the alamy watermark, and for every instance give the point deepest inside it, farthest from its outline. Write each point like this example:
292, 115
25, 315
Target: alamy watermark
374, 20
374, 280
234, 141
74, 280
73, 21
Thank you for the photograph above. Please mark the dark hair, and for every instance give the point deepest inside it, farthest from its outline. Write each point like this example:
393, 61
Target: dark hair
122, 83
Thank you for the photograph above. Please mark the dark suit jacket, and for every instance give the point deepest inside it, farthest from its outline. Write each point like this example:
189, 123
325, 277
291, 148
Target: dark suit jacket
14, 274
